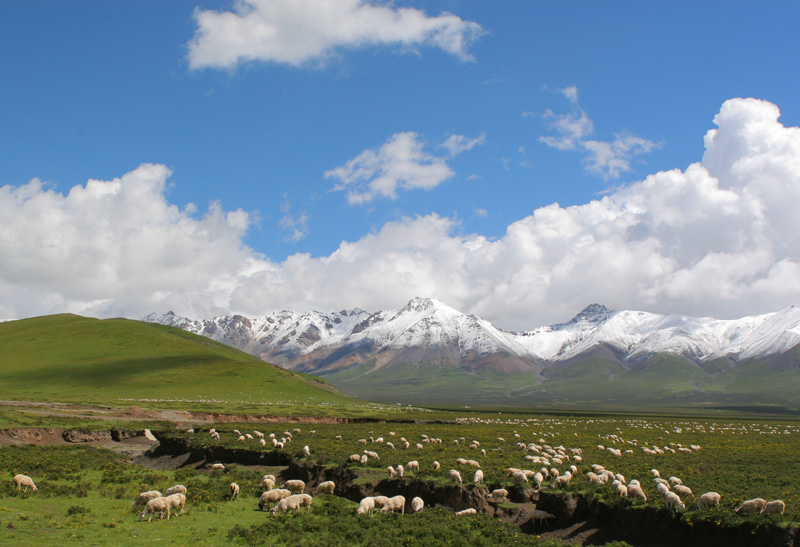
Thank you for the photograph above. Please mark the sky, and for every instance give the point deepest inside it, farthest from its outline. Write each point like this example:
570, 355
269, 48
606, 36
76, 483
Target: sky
517, 160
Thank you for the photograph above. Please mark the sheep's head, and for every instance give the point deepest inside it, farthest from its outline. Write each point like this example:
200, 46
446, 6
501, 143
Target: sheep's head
141, 515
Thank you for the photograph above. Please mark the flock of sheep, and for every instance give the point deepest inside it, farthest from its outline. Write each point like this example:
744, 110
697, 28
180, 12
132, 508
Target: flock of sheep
291, 495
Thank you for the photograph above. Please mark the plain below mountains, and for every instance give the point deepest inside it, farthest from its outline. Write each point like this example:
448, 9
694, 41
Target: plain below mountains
429, 353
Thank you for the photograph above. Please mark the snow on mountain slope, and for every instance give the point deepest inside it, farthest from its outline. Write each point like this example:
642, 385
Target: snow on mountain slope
447, 334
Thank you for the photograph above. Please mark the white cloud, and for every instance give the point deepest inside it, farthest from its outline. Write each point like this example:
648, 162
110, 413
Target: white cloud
303, 32
296, 226
608, 159
720, 238
400, 163
456, 144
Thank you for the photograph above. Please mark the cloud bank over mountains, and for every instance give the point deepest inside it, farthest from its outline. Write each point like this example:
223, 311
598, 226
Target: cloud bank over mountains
720, 238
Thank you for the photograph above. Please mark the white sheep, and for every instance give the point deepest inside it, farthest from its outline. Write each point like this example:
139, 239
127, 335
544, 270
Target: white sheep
326, 487
774, 507
499, 495
517, 476
541, 516
354, 458
752, 506
675, 480
160, 505
379, 501
177, 489
662, 489
673, 501
436, 466
469, 511
400, 470
414, 464
144, 497
234, 491
267, 483
293, 503
682, 490
635, 491
709, 499
24, 480
655, 472
478, 477
392, 472
393, 504
176, 500
538, 478
217, 466
272, 496
306, 451
367, 505
561, 481
417, 505
295, 486
456, 476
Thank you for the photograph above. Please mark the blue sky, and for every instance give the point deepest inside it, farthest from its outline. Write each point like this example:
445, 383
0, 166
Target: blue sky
377, 151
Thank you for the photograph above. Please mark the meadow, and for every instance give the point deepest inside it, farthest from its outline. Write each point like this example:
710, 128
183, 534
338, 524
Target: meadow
85, 493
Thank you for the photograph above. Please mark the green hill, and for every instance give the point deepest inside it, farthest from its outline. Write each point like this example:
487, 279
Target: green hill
69, 358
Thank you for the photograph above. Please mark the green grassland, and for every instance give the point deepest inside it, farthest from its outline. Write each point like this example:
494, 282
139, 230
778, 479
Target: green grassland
67, 358
662, 382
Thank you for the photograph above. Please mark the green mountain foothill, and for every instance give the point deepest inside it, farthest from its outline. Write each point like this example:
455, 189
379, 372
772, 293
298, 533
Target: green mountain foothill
69, 358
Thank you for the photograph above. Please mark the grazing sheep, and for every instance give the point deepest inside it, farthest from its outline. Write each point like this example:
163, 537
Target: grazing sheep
293, 503
541, 516
662, 489
393, 504
400, 470
436, 466
709, 499
392, 472
478, 477
367, 505
470, 511
752, 506
498, 496
517, 476
561, 481
682, 490
24, 480
380, 501
267, 483
217, 466
262, 442
655, 472
675, 480
538, 478
417, 505
354, 458
248, 436
234, 491
774, 507
414, 464
326, 487
214, 435
456, 476
295, 486
673, 501
661, 481
176, 500
160, 505
272, 496
177, 489
306, 451
635, 491
144, 497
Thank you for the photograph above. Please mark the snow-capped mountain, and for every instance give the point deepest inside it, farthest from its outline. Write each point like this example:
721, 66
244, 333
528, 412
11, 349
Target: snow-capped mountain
428, 332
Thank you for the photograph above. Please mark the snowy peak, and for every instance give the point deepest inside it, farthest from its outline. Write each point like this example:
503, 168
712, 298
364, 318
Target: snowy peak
427, 330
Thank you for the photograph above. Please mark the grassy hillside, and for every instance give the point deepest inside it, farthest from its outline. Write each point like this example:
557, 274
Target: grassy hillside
662, 381
72, 358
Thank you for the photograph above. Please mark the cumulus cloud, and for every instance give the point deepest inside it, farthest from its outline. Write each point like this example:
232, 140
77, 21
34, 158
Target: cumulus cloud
719, 238
303, 32
400, 163
608, 159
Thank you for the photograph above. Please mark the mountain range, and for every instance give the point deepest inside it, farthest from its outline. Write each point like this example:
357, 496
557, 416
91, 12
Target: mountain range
428, 352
